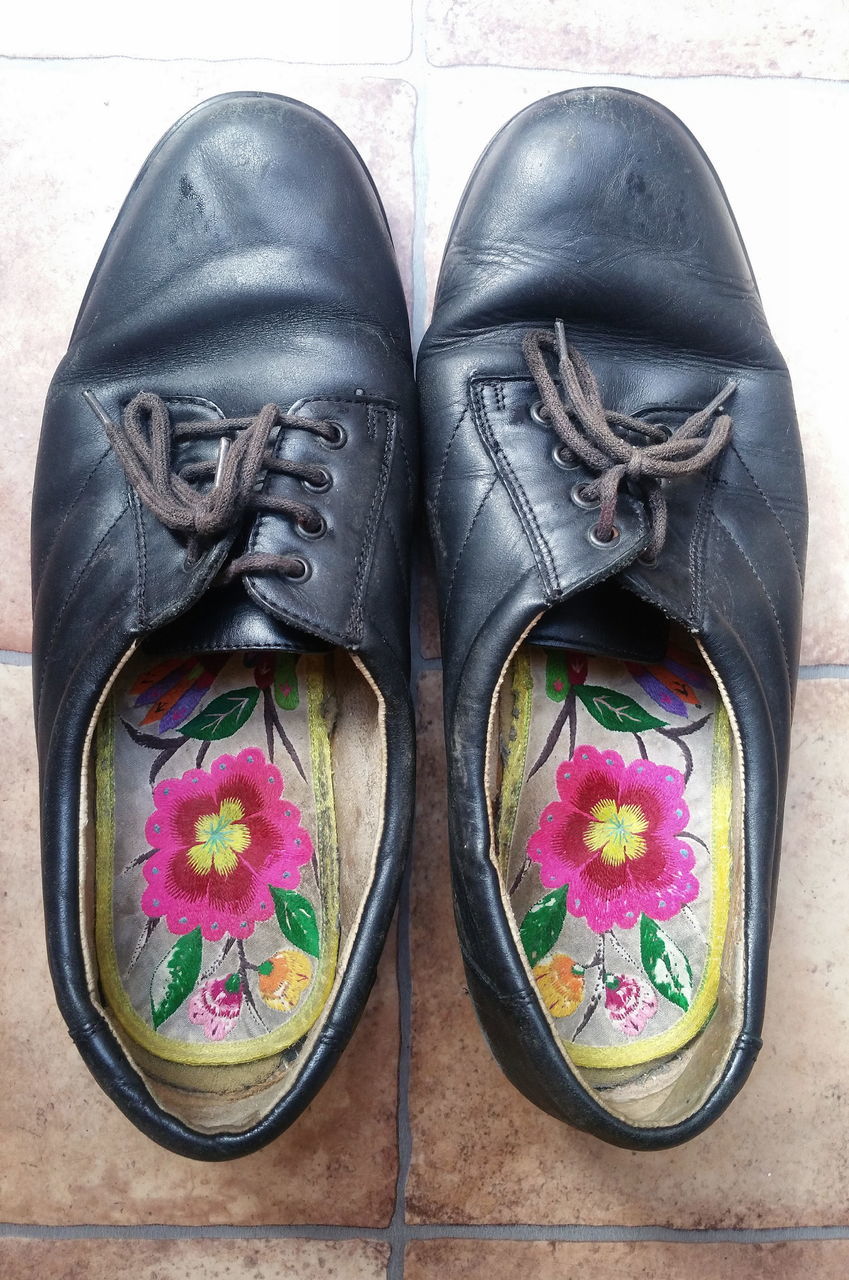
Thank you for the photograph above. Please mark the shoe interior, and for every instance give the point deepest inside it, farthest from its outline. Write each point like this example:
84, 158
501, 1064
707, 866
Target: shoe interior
235, 807
617, 806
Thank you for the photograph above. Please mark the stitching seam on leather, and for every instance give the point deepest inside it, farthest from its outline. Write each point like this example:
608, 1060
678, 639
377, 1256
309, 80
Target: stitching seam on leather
389, 645
407, 468
393, 537
484, 500
437, 490
141, 565
54, 539
538, 543
37, 699
771, 508
69, 597
697, 543
773, 609
355, 618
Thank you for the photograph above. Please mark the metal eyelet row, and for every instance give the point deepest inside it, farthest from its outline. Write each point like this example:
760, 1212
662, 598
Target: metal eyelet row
301, 569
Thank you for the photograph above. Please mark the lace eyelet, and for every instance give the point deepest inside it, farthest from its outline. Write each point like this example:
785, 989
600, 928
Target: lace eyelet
303, 531
299, 572
323, 485
540, 414
646, 561
577, 496
592, 535
337, 440
563, 458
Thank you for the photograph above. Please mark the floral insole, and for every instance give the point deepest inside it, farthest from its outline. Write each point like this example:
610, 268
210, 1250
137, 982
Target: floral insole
217, 894
613, 830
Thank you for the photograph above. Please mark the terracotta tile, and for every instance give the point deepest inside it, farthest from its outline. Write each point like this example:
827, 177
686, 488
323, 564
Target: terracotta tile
777, 1158
642, 1260
798, 38
772, 144
429, 640
73, 136
187, 1259
337, 1164
332, 32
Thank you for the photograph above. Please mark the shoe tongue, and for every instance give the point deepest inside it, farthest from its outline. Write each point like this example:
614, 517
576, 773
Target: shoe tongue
227, 620
606, 621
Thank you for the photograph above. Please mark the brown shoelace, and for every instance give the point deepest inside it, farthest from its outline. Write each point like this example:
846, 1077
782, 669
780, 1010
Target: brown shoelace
145, 441
593, 435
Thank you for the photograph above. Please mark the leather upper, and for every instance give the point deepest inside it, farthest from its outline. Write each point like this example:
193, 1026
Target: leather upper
250, 264
598, 207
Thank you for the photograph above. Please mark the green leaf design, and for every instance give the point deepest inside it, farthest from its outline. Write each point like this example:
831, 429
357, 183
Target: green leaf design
286, 682
541, 926
616, 710
296, 917
556, 675
175, 976
665, 963
224, 716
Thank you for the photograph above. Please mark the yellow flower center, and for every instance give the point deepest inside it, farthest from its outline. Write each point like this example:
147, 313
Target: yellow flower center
616, 831
221, 837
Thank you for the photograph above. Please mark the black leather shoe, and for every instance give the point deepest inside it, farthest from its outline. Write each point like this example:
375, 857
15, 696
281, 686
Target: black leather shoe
616, 496
221, 525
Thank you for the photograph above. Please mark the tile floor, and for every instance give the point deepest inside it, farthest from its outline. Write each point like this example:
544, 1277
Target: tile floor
418, 1159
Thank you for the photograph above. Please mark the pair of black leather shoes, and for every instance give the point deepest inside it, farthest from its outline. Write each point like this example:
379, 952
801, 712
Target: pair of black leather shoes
222, 523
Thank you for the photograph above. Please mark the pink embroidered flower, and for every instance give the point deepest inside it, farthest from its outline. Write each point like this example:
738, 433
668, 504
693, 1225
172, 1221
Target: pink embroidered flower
220, 838
629, 1003
613, 838
216, 1008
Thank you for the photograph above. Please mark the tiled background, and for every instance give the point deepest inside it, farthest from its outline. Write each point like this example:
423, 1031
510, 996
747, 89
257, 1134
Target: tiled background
418, 1158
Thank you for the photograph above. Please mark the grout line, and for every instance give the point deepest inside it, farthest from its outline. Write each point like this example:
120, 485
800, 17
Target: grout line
14, 658
166, 1231
578, 1233
521, 1232
398, 1233
418, 319
593, 76
596, 76
364, 68
825, 671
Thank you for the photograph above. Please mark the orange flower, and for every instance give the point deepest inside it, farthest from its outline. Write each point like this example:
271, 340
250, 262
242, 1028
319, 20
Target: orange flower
561, 984
284, 978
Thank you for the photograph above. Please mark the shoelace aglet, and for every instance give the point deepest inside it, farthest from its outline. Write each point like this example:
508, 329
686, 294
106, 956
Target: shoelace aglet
560, 336
717, 404
224, 443
98, 409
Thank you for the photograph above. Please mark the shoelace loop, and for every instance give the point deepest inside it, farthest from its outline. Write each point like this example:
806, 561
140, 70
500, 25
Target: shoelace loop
145, 442
597, 437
